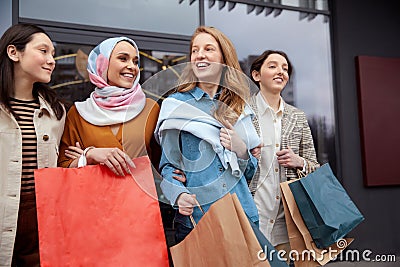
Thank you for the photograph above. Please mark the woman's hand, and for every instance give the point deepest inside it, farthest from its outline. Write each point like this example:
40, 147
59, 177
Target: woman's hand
287, 158
256, 152
232, 141
180, 177
186, 203
74, 152
114, 158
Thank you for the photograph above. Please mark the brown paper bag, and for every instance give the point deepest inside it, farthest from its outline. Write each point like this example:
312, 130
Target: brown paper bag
300, 238
223, 237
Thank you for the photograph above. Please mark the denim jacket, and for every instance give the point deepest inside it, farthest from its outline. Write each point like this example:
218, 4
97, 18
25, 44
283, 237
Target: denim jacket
205, 174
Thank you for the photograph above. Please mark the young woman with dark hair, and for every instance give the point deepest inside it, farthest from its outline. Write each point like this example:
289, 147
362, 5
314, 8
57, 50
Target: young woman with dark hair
287, 144
31, 124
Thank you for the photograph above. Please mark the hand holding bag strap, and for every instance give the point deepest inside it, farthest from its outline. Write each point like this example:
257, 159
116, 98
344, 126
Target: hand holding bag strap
309, 169
191, 217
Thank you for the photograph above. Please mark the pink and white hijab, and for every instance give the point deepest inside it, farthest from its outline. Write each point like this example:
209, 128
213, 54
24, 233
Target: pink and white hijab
108, 104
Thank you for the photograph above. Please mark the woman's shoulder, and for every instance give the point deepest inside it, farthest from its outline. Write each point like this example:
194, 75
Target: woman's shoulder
151, 106
74, 116
293, 109
72, 111
248, 109
151, 102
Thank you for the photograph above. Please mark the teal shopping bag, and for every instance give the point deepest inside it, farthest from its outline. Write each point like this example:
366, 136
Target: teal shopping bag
325, 206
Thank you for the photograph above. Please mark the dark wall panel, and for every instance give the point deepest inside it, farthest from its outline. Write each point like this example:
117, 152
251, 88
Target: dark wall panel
371, 28
378, 82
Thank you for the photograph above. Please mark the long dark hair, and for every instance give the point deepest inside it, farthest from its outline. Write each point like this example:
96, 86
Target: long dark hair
259, 61
19, 35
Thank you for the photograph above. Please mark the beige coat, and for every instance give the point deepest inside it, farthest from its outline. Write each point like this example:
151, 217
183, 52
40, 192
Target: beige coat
48, 132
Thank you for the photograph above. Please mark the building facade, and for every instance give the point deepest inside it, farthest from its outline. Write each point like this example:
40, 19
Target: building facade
321, 38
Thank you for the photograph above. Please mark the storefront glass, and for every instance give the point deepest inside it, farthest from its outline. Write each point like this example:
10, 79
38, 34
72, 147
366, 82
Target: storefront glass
306, 40
163, 16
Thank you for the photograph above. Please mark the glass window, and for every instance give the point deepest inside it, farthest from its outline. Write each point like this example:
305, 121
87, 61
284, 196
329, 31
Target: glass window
313, 4
307, 43
70, 78
164, 16
5, 16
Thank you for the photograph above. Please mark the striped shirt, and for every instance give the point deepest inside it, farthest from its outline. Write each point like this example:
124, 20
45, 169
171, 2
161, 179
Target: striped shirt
25, 111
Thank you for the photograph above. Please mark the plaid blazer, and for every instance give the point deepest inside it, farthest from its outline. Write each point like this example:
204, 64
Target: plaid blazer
296, 134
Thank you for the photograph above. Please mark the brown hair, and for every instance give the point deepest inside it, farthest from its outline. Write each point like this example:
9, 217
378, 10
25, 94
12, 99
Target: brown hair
19, 35
259, 61
234, 89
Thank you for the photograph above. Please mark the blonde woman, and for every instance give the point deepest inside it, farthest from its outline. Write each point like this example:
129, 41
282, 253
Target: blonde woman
205, 130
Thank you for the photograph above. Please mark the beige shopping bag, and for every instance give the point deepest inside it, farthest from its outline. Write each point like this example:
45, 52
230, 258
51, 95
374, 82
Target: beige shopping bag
303, 248
223, 237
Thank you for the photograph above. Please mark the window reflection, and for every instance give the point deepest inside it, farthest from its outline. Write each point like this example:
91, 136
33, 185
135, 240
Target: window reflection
153, 63
307, 43
70, 78
164, 16
314, 4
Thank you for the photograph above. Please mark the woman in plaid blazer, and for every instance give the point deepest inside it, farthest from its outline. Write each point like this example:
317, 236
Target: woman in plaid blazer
287, 144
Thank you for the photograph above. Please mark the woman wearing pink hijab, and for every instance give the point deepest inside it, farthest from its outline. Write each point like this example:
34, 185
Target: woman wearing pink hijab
116, 123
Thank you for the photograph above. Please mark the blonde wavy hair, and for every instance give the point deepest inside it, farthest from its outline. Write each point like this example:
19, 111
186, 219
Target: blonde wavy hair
234, 87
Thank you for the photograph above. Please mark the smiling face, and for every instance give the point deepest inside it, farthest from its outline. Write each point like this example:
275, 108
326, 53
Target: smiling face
36, 62
205, 52
273, 75
124, 65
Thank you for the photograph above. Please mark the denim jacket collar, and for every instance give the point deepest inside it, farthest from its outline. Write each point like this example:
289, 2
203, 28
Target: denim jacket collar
197, 93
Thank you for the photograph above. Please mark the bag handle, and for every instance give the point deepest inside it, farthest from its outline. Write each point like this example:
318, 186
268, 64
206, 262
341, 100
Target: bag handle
191, 217
309, 169
300, 174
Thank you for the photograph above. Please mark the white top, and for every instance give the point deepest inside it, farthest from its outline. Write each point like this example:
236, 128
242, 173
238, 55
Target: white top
268, 194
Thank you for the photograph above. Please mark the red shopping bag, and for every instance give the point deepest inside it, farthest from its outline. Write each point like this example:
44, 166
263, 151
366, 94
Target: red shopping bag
90, 217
